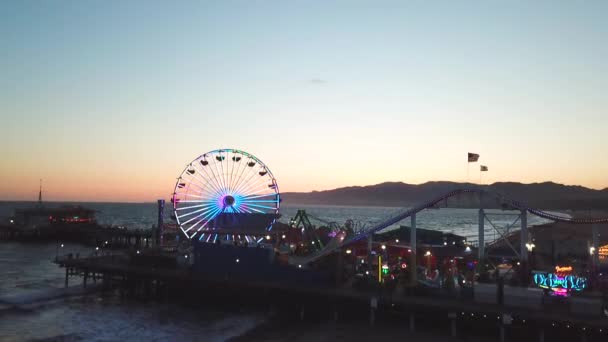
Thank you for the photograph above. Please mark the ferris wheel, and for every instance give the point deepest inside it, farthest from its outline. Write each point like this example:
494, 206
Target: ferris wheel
225, 192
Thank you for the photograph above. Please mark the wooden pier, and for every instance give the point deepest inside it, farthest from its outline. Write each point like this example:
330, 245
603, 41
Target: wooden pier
580, 317
89, 234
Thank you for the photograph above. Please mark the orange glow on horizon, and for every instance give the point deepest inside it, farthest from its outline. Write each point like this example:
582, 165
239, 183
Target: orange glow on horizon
123, 190
114, 112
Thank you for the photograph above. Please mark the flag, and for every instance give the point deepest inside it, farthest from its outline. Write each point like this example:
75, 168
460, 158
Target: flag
483, 168
473, 157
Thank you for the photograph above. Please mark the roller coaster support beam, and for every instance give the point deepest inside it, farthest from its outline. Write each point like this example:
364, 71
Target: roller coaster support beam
481, 249
413, 261
370, 240
339, 268
596, 246
523, 250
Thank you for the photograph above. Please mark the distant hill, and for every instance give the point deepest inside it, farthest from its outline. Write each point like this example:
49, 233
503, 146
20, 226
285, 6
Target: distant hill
547, 195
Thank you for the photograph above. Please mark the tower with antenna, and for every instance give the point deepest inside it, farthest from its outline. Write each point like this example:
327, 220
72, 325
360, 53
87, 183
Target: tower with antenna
40, 194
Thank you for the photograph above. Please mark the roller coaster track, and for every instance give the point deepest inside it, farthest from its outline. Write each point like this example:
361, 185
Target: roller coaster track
509, 203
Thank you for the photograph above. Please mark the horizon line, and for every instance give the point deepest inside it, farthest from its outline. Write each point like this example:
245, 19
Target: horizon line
311, 191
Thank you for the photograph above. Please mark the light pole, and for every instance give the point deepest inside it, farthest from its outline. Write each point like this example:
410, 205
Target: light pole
529, 265
530, 247
57, 250
592, 252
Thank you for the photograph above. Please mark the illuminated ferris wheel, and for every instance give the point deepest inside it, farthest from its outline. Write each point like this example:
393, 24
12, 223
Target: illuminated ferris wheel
224, 193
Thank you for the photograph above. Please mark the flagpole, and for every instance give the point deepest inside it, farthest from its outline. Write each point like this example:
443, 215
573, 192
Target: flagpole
482, 169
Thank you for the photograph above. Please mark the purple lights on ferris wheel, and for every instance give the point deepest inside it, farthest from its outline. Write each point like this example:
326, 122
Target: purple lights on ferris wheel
223, 186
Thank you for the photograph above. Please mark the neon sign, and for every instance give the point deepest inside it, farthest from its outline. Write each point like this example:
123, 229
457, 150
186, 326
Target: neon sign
561, 282
563, 269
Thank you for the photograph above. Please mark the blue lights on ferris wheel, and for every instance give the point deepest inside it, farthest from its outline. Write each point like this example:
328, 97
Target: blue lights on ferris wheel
221, 187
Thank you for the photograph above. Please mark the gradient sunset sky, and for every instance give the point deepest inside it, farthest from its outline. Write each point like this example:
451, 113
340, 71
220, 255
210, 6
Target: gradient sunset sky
108, 100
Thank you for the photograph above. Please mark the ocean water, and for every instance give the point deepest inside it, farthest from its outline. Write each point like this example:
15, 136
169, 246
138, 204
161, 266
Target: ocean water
144, 216
28, 267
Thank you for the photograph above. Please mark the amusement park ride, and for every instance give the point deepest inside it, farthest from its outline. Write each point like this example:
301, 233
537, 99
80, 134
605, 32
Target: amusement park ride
230, 198
224, 193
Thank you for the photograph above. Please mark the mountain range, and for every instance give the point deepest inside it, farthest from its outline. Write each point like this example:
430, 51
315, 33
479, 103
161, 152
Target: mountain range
547, 195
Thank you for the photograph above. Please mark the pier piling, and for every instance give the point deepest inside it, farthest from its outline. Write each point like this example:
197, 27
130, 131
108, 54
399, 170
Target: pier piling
373, 305
453, 327
335, 312
412, 323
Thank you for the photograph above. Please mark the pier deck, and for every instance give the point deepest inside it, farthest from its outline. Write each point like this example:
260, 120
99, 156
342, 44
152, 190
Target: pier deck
523, 304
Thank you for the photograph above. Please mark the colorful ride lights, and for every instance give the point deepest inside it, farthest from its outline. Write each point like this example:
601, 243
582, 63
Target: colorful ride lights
207, 192
385, 269
561, 282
